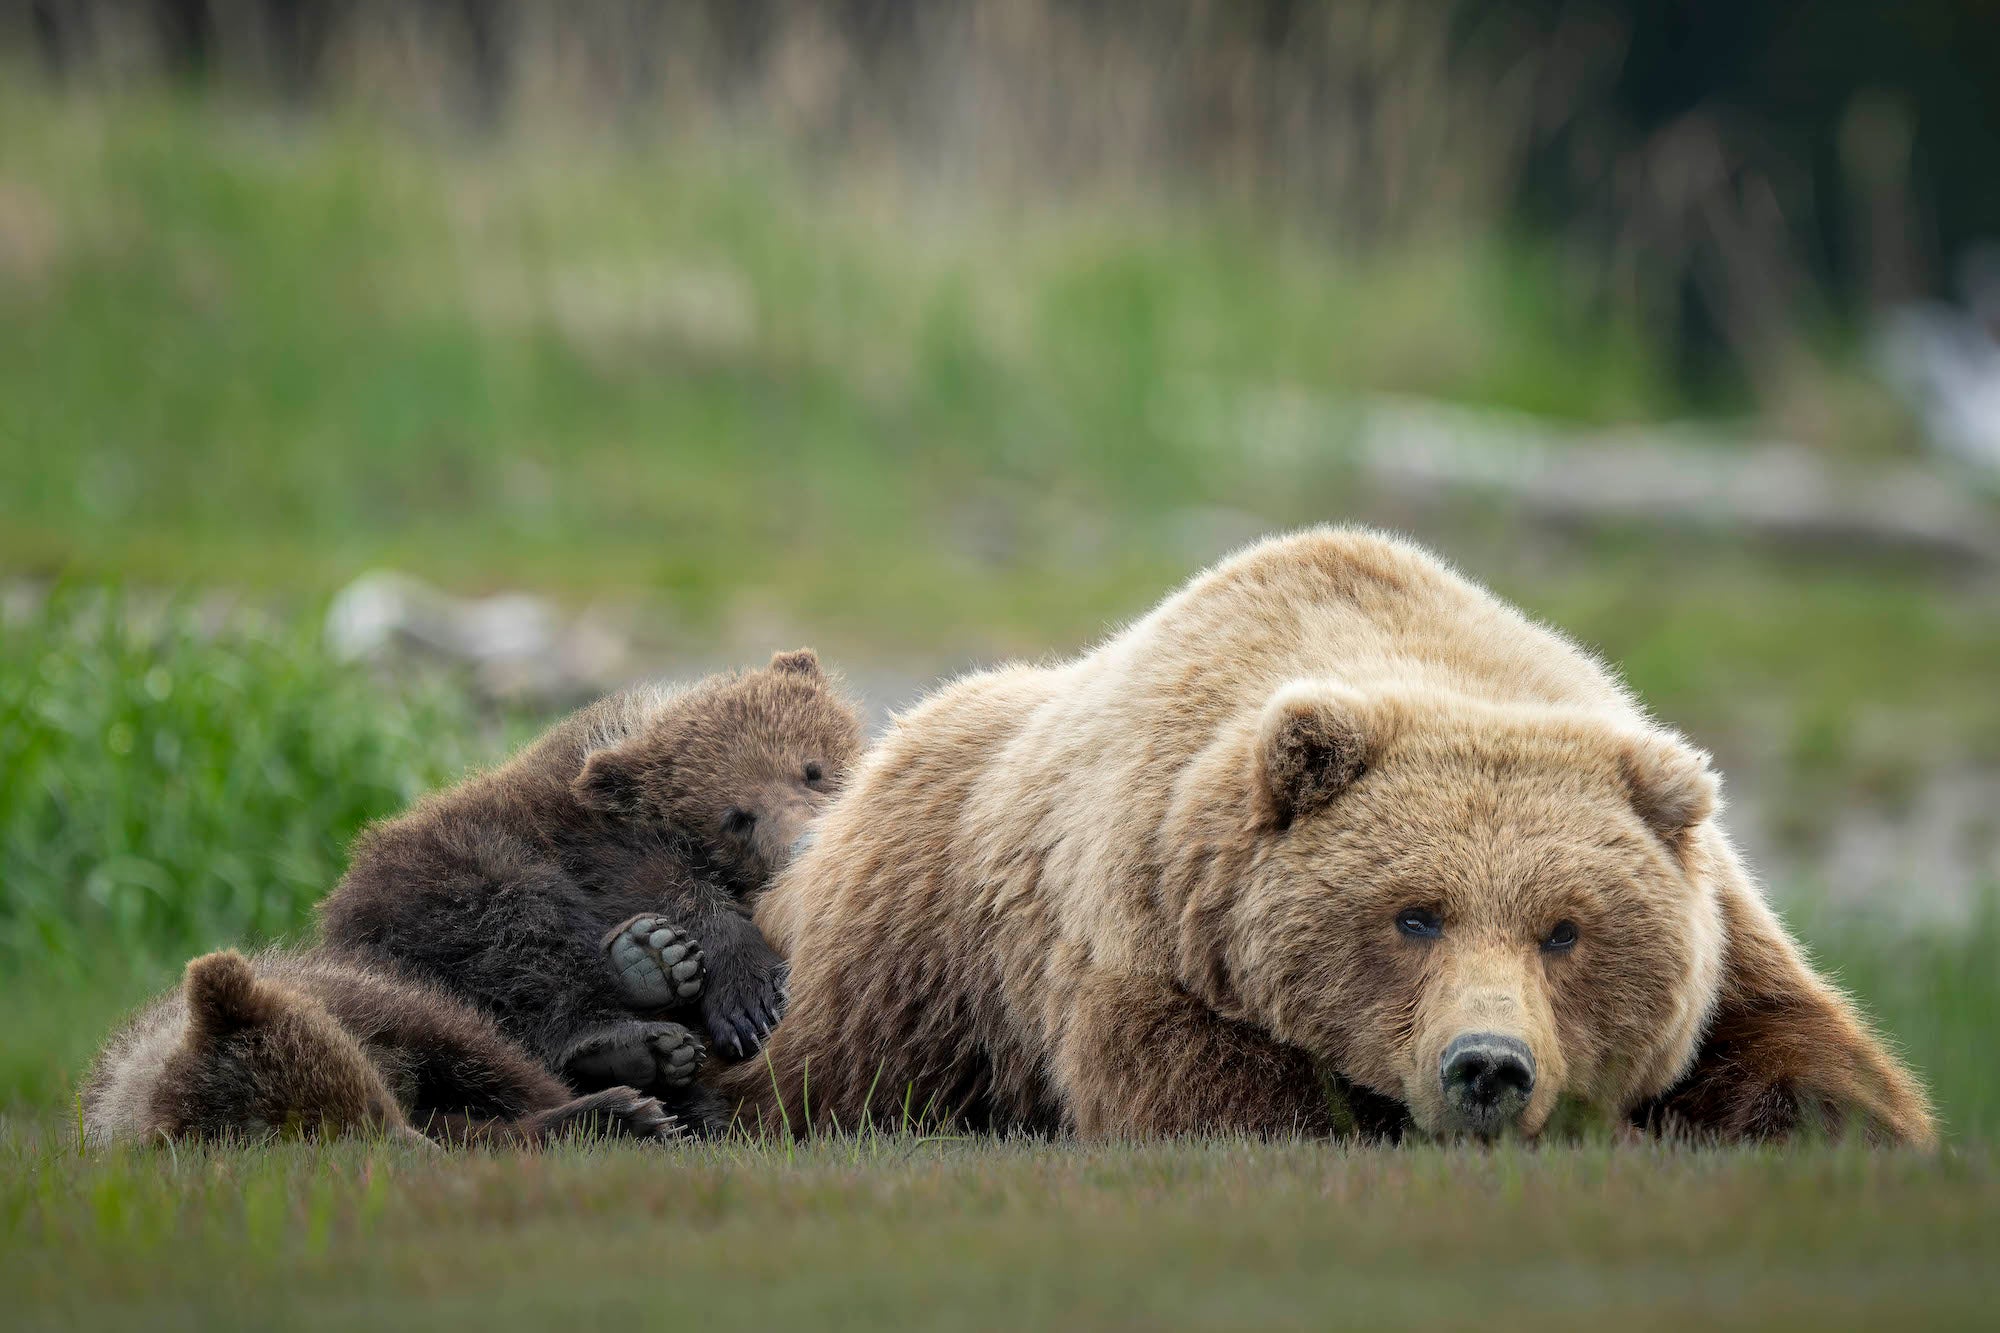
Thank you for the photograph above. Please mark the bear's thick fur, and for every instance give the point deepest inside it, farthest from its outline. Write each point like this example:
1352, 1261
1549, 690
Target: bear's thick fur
649, 813
1330, 819
301, 1044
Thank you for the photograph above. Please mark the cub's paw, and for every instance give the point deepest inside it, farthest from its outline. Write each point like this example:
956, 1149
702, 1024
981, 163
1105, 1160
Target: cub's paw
657, 966
614, 1113
744, 1000
653, 1056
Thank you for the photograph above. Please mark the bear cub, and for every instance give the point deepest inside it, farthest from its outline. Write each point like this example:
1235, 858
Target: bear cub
603, 878
294, 1044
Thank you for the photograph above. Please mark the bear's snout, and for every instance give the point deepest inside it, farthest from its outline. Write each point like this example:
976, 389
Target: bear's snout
1486, 1079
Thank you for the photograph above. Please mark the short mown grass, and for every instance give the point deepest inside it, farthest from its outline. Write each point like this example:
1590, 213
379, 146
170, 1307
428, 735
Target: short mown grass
998, 1235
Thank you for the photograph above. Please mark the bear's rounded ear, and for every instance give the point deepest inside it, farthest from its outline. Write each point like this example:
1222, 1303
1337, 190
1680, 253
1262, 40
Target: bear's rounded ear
610, 782
223, 996
1311, 745
800, 662
1672, 786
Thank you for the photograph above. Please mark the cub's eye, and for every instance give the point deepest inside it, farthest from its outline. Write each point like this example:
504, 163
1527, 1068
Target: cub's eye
1562, 937
738, 821
1418, 923
814, 773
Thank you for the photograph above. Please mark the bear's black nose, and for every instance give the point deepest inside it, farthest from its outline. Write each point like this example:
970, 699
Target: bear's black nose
1486, 1079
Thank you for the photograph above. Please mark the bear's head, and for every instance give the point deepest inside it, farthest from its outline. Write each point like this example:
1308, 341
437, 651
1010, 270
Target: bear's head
259, 1060
1477, 910
739, 765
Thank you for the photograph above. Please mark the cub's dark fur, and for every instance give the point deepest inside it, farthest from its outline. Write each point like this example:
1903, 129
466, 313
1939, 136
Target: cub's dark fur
302, 1044
653, 808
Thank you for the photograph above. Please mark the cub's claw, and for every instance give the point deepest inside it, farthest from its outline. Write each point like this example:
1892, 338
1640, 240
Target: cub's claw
617, 1113
743, 1011
657, 965
702, 1112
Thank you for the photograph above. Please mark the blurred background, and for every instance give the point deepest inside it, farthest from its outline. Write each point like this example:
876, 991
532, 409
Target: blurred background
378, 378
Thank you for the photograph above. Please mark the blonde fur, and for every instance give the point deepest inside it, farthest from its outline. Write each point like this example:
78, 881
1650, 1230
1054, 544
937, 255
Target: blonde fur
1153, 889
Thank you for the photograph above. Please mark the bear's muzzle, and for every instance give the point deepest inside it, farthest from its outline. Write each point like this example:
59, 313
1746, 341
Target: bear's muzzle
1486, 1079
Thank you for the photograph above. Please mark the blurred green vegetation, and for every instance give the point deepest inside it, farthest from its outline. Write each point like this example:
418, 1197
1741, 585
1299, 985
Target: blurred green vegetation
162, 787
264, 353
255, 353
241, 349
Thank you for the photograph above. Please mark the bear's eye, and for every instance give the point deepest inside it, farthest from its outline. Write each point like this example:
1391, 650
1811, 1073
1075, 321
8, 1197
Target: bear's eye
814, 773
738, 821
1562, 937
1419, 923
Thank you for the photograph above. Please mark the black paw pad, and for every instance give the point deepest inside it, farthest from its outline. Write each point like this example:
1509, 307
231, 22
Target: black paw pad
654, 1056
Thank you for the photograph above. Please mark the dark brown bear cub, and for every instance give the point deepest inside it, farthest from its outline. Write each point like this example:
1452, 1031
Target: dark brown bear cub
565, 891
290, 1044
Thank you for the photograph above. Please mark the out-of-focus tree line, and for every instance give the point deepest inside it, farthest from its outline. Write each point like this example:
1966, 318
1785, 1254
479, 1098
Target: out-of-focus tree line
1738, 173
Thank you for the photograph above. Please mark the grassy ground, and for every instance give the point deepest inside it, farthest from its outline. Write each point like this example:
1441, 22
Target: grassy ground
953, 1235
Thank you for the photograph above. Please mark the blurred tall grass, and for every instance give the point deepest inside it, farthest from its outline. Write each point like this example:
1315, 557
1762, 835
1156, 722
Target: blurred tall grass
1732, 182
239, 348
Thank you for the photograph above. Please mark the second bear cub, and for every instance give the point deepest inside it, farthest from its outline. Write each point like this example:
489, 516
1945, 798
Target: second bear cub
296, 1043
636, 828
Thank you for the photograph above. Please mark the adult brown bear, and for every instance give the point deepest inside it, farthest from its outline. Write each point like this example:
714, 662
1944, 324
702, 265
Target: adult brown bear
1330, 816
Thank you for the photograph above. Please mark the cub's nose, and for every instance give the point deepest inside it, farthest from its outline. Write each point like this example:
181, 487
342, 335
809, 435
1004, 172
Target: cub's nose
1486, 1079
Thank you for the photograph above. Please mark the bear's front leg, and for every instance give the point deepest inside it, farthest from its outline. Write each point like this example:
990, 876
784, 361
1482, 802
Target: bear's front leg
1139, 1057
711, 955
746, 989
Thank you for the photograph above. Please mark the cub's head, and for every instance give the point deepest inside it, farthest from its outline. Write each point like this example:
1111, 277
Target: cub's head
257, 1060
1476, 910
739, 764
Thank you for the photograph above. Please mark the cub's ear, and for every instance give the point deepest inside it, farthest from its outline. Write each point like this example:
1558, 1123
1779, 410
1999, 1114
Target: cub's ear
1672, 786
1784, 1051
1311, 744
800, 662
611, 781
223, 996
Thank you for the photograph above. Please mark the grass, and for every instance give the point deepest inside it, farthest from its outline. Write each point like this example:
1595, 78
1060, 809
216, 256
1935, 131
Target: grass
249, 351
874, 1233
161, 785
264, 354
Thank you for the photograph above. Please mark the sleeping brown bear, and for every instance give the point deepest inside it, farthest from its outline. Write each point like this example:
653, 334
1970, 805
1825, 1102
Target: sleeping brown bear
290, 1044
637, 831
1331, 816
